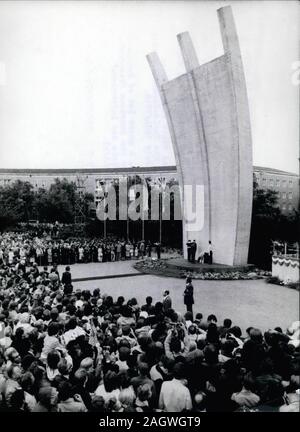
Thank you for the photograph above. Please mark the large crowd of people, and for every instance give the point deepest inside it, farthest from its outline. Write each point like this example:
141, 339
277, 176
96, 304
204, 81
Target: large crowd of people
64, 349
27, 248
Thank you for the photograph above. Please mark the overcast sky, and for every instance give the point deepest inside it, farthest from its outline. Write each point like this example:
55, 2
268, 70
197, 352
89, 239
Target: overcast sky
76, 90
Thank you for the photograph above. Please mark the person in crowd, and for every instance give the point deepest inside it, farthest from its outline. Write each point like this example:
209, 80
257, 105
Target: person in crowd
200, 402
167, 301
223, 330
144, 395
46, 399
174, 394
12, 383
246, 397
148, 307
68, 401
27, 384
188, 295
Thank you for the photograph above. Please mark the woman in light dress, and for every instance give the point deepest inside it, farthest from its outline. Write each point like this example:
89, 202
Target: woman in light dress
136, 252
80, 253
131, 251
112, 252
127, 251
49, 255
100, 254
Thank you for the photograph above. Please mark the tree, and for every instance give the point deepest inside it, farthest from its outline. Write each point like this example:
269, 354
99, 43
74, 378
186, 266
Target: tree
58, 203
8, 218
16, 203
20, 203
268, 223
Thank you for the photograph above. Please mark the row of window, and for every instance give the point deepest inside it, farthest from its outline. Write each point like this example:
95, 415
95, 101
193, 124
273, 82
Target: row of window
289, 207
6, 182
277, 183
284, 195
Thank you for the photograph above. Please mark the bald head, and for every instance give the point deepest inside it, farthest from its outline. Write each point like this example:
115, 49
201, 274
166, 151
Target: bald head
199, 401
87, 363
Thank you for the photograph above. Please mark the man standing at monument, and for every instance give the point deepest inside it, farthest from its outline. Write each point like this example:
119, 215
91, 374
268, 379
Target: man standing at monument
158, 246
193, 251
210, 251
189, 250
149, 249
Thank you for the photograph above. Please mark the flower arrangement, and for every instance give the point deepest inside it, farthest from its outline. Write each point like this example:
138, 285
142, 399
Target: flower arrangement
160, 266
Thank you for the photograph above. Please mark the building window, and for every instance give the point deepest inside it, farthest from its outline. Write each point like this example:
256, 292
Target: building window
290, 183
283, 206
277, 182
271, 182
290, 207
283, 183
290, 195
283, 195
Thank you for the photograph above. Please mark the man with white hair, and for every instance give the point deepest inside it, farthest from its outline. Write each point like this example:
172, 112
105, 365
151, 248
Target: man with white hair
12, 357
14, 374
6, 341
24, 322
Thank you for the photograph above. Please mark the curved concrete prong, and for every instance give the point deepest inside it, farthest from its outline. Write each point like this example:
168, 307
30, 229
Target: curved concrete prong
158, 71
188, 51
228, 30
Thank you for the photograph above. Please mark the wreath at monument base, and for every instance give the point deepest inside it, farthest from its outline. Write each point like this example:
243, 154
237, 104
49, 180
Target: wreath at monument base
159, 267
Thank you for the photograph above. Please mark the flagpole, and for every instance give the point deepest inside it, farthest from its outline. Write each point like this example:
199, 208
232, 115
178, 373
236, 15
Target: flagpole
160, 215
127, 222
103, 185
143, 222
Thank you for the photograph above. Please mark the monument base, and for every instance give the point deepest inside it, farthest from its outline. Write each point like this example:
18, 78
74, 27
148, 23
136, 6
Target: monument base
182, 264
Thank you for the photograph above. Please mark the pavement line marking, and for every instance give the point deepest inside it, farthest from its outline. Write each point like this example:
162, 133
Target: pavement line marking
107, 277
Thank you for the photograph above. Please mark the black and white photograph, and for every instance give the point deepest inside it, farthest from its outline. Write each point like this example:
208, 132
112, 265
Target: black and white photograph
149, 211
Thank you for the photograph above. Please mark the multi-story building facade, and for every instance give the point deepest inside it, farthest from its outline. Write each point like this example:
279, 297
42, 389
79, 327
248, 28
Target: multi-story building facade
286, 184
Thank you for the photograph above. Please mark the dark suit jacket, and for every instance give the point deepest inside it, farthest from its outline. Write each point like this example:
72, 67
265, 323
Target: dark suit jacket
189, 294
167, 303
66, 278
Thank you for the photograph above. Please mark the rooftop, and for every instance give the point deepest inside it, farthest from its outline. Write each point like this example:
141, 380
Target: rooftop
135, 169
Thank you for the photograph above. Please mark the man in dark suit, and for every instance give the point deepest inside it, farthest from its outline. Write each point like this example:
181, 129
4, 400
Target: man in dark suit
193, 252
158, 249
189, 250
167, 301
67, 277
210, 251
188, 295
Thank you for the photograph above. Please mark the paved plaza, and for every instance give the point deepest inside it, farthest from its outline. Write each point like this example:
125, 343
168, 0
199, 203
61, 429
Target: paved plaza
94, 270
247, 303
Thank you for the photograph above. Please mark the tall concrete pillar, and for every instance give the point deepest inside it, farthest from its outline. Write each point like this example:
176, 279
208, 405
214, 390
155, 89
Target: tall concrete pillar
208, 118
